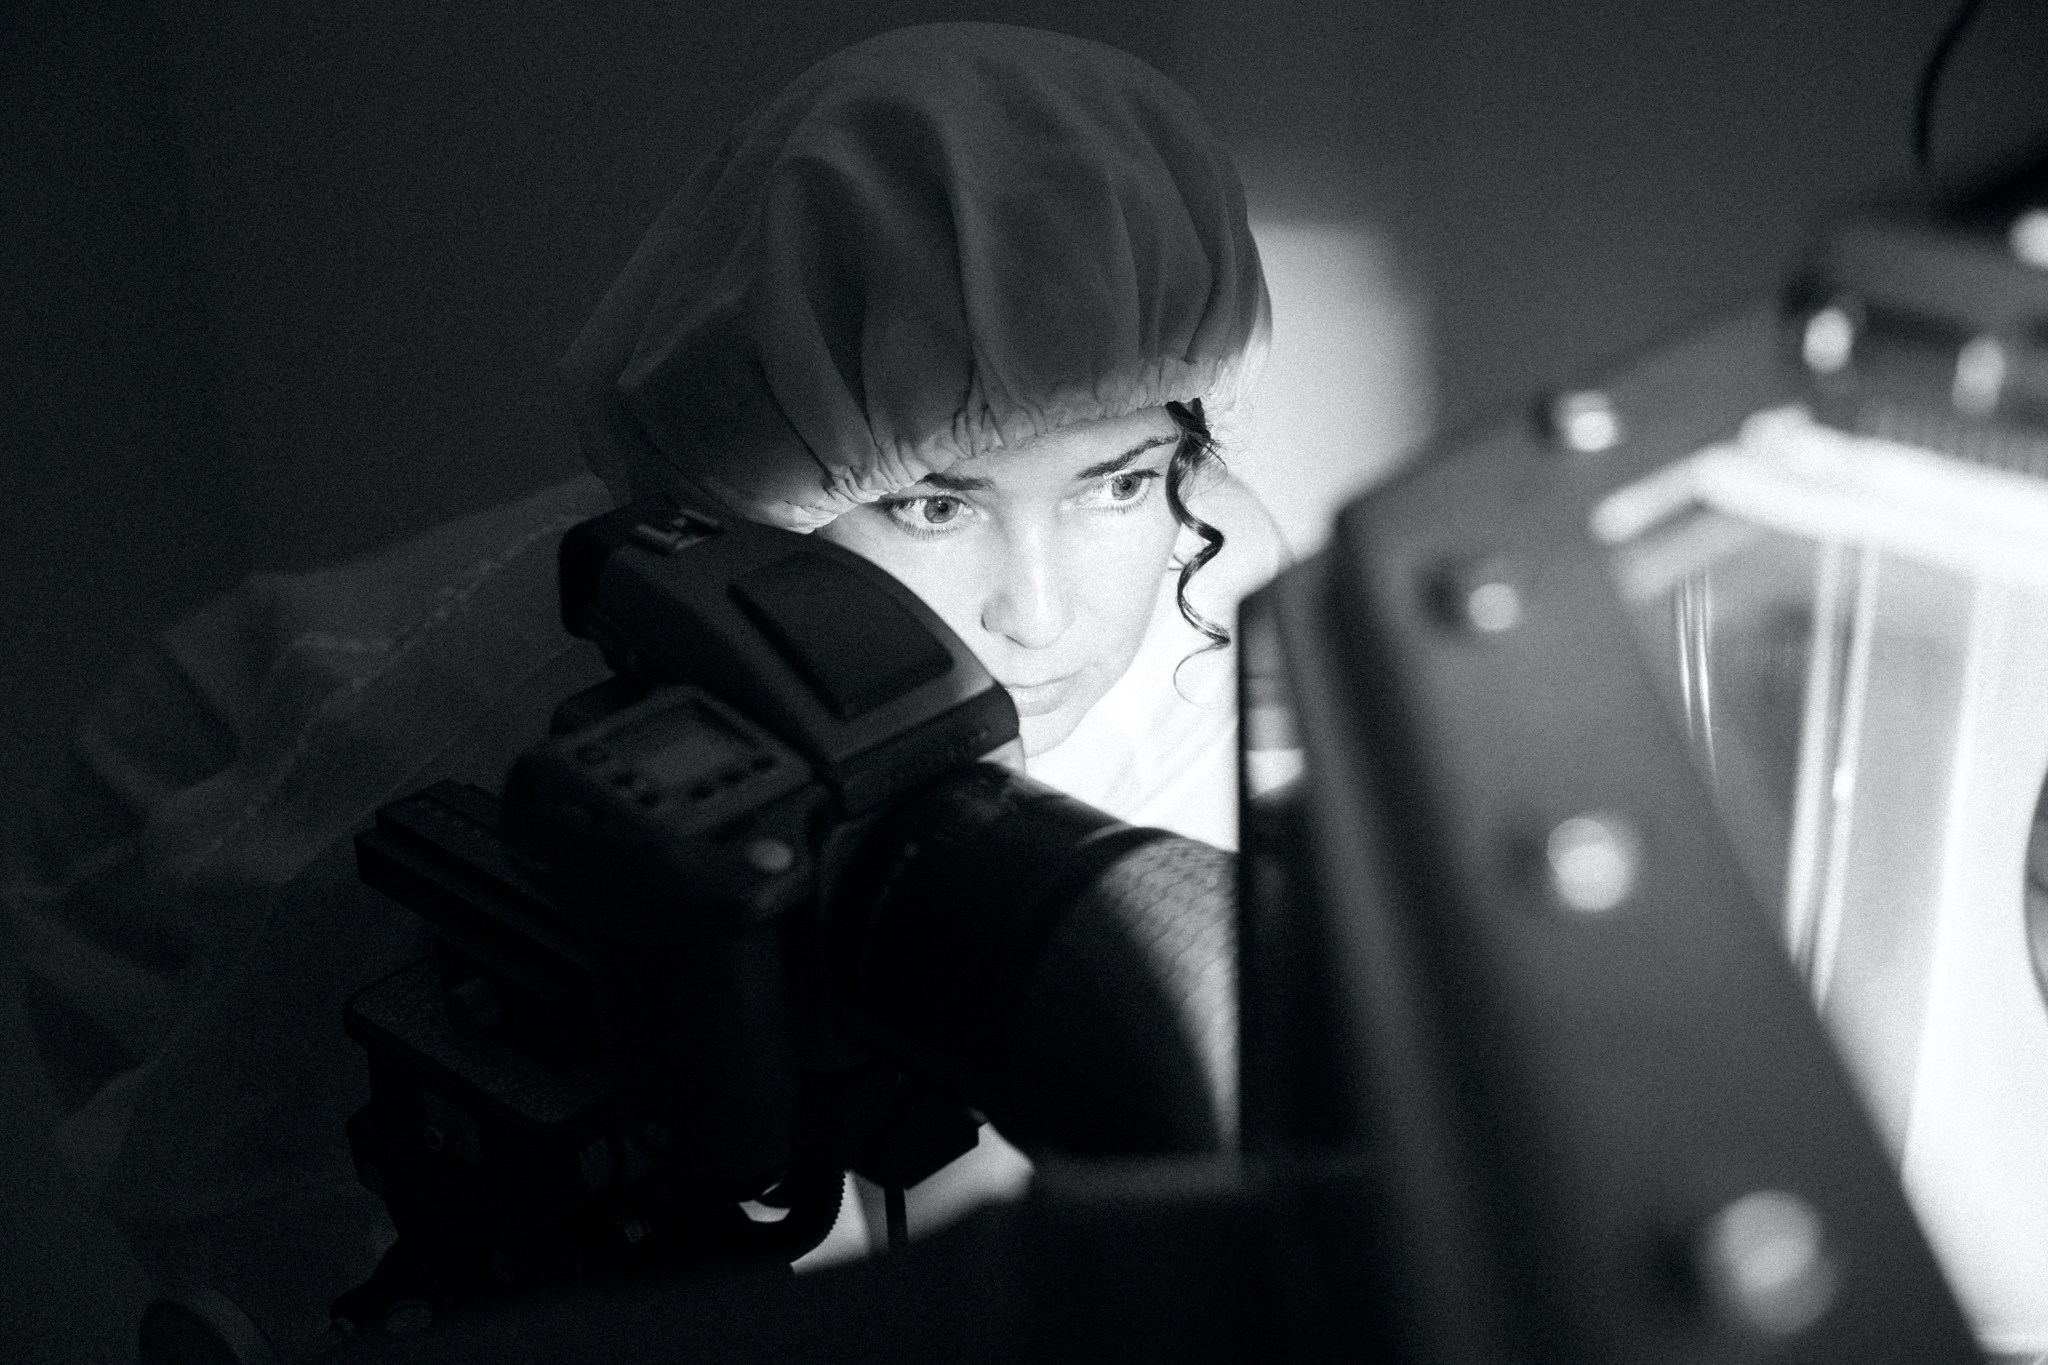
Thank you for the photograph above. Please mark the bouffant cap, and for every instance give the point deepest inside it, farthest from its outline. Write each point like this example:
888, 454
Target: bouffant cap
941, 242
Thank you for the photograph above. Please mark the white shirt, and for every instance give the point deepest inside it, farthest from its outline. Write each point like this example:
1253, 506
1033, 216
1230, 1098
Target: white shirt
1160, 748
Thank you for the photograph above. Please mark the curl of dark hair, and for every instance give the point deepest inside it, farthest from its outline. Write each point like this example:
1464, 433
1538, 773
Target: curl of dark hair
1195, 453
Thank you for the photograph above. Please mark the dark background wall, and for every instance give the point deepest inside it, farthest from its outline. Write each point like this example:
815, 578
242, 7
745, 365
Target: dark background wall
284, 281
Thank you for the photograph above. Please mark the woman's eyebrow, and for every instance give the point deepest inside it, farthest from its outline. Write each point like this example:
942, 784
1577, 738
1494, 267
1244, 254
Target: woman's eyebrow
955, 483
1108, 467
969, 483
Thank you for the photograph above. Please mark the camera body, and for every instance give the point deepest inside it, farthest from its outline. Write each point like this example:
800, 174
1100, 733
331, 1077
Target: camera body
624, 1052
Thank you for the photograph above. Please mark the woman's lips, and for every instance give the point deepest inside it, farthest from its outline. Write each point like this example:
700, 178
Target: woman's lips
1038, 699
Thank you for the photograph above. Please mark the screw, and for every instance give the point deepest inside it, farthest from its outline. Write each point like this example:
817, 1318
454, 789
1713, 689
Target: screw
1980, 377
1764, 1263
1585, 420
1828, 341
1493, 607
1593, 862
2029, 238
1483, 596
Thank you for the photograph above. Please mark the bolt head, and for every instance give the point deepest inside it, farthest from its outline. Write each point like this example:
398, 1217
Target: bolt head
1764, 1263
1585, 420
1594, 861
1482, 597
1828, 341
1980, 376
1493, 606
2029, 238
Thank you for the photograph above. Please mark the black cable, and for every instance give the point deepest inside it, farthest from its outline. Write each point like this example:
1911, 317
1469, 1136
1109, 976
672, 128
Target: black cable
1930, 77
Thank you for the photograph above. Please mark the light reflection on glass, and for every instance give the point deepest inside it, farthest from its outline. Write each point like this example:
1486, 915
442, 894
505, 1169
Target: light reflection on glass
1853, 637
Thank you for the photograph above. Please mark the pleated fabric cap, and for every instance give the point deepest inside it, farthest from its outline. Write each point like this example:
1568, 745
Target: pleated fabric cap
943, 241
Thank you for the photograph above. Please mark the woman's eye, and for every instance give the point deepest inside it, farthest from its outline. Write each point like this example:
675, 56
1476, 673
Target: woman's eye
1121, 492
932, 515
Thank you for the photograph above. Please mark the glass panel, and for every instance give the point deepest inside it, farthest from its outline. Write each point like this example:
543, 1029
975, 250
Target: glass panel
1853, 636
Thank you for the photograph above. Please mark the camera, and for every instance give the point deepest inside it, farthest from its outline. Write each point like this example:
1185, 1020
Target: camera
757, 914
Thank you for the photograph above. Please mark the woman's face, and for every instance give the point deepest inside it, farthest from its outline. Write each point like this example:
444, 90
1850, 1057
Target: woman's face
1046, 558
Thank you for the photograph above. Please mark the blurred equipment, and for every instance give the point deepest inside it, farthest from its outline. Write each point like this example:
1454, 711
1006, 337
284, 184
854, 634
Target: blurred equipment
1848, 606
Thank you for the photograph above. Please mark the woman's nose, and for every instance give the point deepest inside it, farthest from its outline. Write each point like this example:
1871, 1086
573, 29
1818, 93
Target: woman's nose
1029, 603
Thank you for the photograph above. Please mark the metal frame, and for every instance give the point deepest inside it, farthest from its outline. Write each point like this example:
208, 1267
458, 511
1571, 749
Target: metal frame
1609, 1124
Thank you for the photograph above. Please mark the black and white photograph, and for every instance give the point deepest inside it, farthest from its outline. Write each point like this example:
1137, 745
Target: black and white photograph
1186, 682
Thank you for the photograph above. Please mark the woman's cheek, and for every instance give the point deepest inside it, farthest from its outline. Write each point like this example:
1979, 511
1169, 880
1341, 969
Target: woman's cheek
1119, 565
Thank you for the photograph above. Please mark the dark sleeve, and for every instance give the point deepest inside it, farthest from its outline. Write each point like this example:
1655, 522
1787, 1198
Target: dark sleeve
182, 922
248, 740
